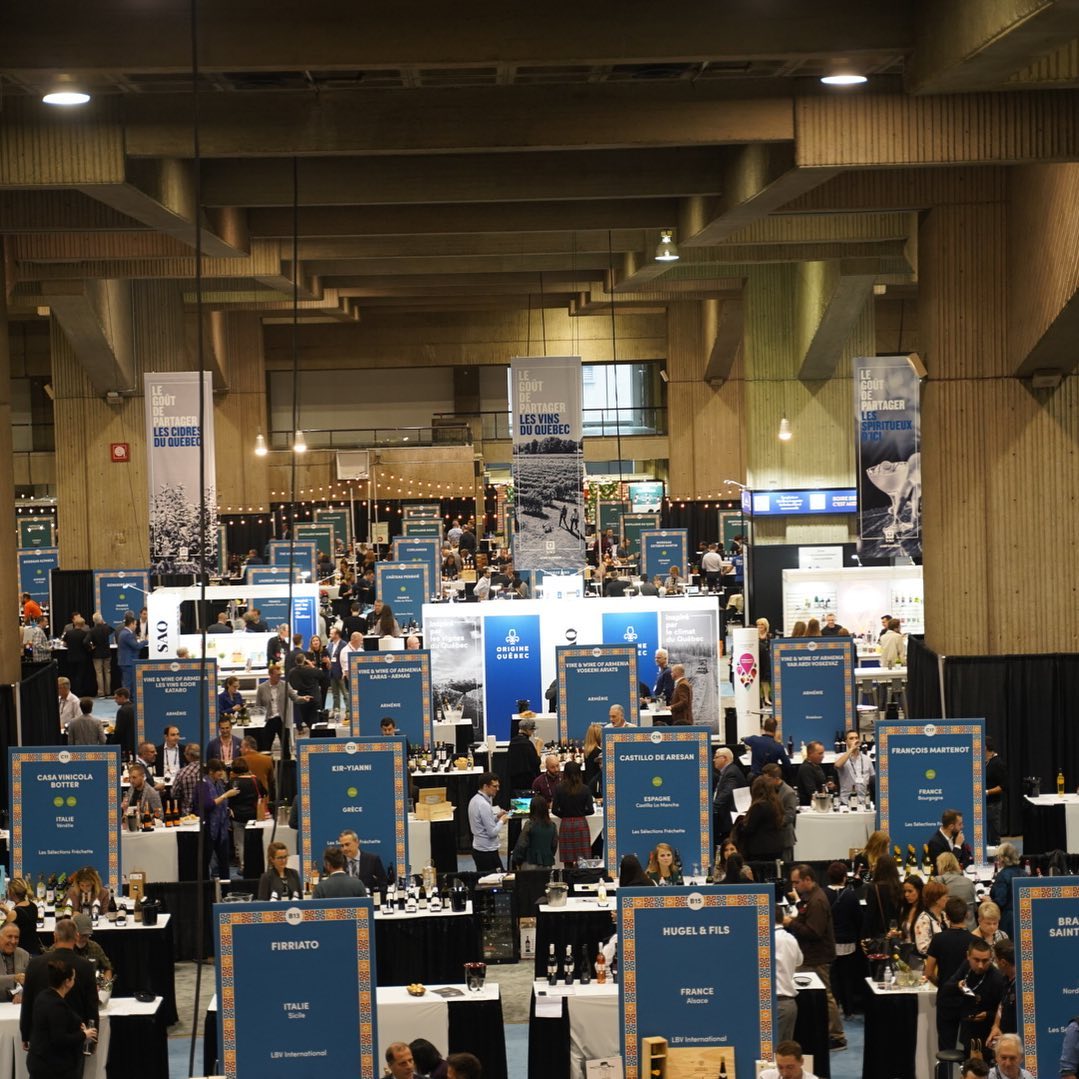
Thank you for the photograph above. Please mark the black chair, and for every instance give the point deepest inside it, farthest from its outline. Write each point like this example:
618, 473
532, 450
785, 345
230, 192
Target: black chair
945, 1059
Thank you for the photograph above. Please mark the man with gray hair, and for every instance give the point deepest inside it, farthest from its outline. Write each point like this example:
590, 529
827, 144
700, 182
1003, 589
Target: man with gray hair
729, 778
67, 702
1009, 1058
616, 717
663, 690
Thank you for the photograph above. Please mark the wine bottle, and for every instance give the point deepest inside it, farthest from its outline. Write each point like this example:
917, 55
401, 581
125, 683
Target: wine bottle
601, 966
912, 860
552, 965
567, 965
1060, 783
898, 855
586, 967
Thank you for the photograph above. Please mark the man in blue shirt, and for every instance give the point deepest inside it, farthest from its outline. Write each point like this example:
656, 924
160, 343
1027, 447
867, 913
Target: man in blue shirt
765, 748
664, 687
486, 822
128, 647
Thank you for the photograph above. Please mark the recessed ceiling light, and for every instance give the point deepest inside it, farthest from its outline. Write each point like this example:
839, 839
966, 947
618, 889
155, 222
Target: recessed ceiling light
66, 90
843, 80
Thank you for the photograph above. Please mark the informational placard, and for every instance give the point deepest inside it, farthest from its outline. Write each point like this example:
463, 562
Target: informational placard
1047, 957
799, 503
296, 989
356, 784
301, 555
697, 978
319, 533
820, 557
731, 525
430, 527
813, 683
925, 768
657, 789
117, 591
633, 524
171, 693
646, 497
421, 509
639, 629
591, 679
746, 676
274, 610
511, 648
455, 641
341, 519
609, 515
395, 685
36, 532
406, 587
35, 571
662, 549
424, 549
64, 811
690, 634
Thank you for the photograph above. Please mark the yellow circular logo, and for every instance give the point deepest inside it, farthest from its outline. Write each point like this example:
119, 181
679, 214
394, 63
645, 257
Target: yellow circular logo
930, 773
657, 781
352, 792
72, 801
58, 801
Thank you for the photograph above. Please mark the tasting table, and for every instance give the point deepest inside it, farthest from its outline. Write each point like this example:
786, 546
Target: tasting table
900, 1031
425, 947
1051, 822
461, 784
830, 837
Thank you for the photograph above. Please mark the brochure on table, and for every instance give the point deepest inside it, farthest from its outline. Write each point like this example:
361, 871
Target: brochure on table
857, 595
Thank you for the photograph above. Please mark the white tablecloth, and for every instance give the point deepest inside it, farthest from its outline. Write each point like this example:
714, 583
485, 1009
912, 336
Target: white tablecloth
546, 726
925, 1054
13, 1059
153, 852
831, 836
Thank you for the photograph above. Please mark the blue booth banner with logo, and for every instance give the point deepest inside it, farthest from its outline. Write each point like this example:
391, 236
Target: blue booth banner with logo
814, 687
590, 680
117, 591
511, 649
406, 587
296, 989
35, 572
341, 519
925, 768
321, 533
355, 784
1046, 912
394, 684
634, 525
274, 610
421, 509
697, 972
422, 527
36, 532
657, 789
171, 693
424, 549
640, 629
302, 555
64, 811
663, 548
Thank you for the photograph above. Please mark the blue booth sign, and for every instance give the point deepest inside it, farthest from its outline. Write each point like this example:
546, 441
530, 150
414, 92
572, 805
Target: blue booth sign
406, 587
590, 680
799, 503
302, 555
35, 572
424, 549
663, 548
394, 684
171, 693
511, 648
813, 679
117, 591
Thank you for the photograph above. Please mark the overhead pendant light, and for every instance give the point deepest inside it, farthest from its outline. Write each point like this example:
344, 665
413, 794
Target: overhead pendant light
260, 445
666, 249
843, 78
785, 432
300, 443
65, 91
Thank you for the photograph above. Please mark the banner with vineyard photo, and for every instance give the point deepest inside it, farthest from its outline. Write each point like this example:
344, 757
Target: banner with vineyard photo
548, 464
183, 518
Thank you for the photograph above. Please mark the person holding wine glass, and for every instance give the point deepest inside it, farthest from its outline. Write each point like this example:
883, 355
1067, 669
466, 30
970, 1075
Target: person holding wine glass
57, 1033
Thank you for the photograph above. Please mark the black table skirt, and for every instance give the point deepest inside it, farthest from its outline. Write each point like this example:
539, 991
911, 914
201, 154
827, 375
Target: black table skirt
459, 790
1044, 829
891, 1036
138, 1046
181, 900
432, 950
474, 1027
581, 929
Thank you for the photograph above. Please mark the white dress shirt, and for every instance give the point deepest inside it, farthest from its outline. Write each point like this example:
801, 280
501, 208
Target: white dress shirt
788, 960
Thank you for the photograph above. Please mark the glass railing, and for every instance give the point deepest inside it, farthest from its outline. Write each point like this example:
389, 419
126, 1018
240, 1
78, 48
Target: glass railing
449, 434
598, 422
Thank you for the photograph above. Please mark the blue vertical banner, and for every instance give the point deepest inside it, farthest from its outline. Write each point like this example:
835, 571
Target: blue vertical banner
64, 811
426, 527
296, 989
657, 789
591, 678
887, 416
609, 515
320, 533
813, 682
548, 463
663, 548
640, 629
511, 650
406, 587
117, 591
925, 768
393, 684
1047, 957
36, 532
697, 981
341, 519
171, 692
35, 572
356, 784
424, 549
633, 525
301, 555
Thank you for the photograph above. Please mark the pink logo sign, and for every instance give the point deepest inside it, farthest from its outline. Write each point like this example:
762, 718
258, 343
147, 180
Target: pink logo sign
746, 668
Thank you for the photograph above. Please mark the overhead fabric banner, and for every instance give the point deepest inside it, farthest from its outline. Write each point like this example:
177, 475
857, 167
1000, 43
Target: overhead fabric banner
423, 526
301, 555
64, 811
35, 573
633, 524
356, 784
455, 642
171, 693
814, 688
393, 684
548, 463
697, 981
662, 549
1047, 956
887, 414
406, 587
657, 789
36, 532
926, 768
180, 513
590, 680
296, 989
511, 645
117, 591
424, 549
641, 630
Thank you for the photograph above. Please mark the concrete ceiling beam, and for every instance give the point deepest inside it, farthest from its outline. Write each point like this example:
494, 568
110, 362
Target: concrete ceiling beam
96, 319
722, 330
827, 305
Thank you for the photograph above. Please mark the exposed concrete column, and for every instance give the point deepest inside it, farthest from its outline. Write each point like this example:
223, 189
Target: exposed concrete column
9, 571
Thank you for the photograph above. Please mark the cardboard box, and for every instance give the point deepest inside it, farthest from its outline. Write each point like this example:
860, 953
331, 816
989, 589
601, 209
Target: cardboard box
434, 810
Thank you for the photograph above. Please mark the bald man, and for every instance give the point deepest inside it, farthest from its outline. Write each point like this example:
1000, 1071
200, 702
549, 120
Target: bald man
681, 699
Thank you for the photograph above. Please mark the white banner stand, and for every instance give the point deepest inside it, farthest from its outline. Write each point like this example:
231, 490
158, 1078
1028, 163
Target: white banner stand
745, 657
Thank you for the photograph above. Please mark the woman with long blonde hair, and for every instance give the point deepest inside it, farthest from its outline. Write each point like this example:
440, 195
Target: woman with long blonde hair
593, 759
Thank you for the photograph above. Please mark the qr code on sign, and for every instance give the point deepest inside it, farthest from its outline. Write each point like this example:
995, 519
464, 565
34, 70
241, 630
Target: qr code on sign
551, 546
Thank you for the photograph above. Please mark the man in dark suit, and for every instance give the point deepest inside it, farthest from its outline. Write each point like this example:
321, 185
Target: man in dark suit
353, 623
949, 838
82, 998
13, 962
681, 698
226, 746
170, 754
123, 731
85, 731
336, 883
361, 865
730, 779
664, 687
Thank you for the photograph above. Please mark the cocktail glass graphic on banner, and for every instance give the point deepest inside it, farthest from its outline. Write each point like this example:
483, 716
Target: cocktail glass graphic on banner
475, 976
746, 668
901, 481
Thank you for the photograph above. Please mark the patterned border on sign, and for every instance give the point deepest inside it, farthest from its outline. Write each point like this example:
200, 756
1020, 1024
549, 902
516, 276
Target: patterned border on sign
139, 579
821, 646
434, 547
143, 667
647, 534
401, 660
297, 550
585, 651
398, 567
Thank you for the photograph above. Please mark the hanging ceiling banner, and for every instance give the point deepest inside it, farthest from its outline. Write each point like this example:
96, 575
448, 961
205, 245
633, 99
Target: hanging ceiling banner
887, 412
548, 463
181, 515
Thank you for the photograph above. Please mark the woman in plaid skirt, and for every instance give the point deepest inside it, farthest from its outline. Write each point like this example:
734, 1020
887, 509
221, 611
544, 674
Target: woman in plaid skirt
573, 802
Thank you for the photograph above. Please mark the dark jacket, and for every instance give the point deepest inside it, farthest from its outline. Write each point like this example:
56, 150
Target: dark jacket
730, 779
82, 998
100, 632
522, 762
270, 882
846, 915
938, 845
1001, 894
762, 838
814, 928
764, 749
664, 687
811, 778
682, 705
123, 731
55, 1038
339, 886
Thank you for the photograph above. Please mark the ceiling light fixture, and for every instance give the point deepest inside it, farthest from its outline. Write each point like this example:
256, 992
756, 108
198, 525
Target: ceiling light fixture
300, 444
843, 78
260, 445
785, 432
666, 249
66, 91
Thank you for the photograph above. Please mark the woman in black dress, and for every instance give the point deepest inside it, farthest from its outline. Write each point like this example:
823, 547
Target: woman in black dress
883, 902
57, 1033
593, 759
762, 827
573, 802
22, 910
244, 807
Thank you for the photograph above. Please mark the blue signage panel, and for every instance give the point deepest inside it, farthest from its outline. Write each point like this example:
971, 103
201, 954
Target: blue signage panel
302, 555
406, 587
341, 519
799, 503
663, 548
431, 527
171, 693
609, 515
35, 568
813, 679
657, 789
117, 591
511, 649
320, 533
640, 629
925, 768
698, 972
304, 617
355, 784
590, 680
296, 989
36, 532
394, 684
633, 525
274, 610
424, 549
421, 509
64, 812
1047, 957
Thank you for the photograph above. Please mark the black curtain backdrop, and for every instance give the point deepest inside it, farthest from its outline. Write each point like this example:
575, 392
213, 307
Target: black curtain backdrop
923, 680
72, 590
700, 519
37, 702
8, 738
